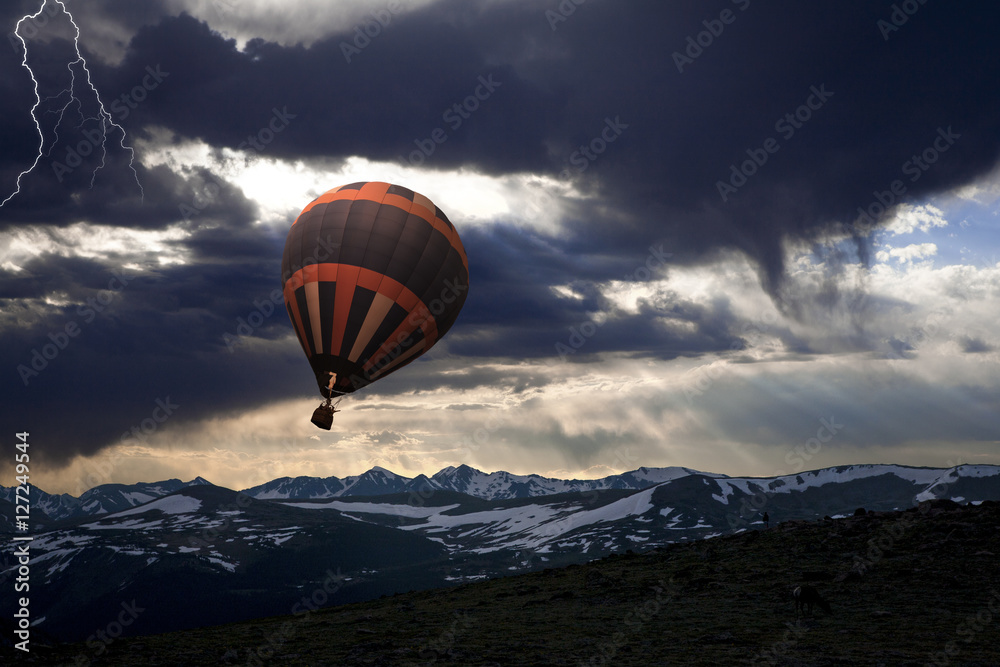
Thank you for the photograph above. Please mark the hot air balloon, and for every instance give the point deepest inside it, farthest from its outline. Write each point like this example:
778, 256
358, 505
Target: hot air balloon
373, 275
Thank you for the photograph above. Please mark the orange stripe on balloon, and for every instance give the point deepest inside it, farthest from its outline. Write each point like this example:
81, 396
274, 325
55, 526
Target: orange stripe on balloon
367, 278
326, 197
373, 191
347, 280
391, 288
398, 201
326, 273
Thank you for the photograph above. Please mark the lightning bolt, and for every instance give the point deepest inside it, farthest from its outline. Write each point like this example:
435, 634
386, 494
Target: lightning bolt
106, 122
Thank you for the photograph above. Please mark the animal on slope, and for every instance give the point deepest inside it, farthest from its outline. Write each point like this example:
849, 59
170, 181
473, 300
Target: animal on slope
807, 596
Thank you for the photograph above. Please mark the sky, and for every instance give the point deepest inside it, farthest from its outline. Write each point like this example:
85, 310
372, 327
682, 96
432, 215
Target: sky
742, 237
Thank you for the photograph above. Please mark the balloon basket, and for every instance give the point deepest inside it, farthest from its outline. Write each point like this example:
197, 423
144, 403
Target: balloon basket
323, 415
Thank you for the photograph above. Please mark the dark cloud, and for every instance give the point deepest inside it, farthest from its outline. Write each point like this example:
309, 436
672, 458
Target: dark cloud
89, 372
607, 61
972, 345
596, 98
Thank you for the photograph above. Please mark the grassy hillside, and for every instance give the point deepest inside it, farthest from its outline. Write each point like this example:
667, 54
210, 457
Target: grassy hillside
906, 588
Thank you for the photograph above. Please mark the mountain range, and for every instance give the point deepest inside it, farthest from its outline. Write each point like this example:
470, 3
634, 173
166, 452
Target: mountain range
501, 485
108, 498
193, 554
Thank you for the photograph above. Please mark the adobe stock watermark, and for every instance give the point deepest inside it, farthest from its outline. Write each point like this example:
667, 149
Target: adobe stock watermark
699, 380
924, 332
551, 530
253, 146
470, 443
301, 610
780, 648
889, 535
431, 651
582, 332
797, 456
213, 532
455, 116
127, 102
696, 44
102, 638
29, 26
562, 12
581, 158
971, 626
100, 471
393, 349
96, 139
473, 441
222, 8
279, 121
269, 469
786, 126
59, 340
265, 308
900, 14
632, 624
369, 29
162, 412
915, 167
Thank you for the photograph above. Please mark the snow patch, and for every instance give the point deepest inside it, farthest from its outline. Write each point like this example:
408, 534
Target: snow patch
376, 508
131, 524
179, 504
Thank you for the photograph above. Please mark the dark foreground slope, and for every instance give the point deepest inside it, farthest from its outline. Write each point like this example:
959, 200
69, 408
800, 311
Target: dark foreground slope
906, 588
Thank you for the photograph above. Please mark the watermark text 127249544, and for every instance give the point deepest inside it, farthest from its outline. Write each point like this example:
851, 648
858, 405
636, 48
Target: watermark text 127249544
22, 510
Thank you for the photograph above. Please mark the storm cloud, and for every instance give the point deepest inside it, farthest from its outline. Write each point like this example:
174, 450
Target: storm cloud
643, 145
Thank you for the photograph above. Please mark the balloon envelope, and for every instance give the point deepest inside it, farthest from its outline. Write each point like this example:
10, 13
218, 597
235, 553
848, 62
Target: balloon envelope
373, 275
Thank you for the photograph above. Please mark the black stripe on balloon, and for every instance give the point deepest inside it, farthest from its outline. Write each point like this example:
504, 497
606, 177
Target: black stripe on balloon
388, 226
360, 306
397, 350
399, 190
447, 286
396, 316
298, 334
408, 251
424, 274
357, 232
292, 259
411, 251
307, 242
306, 333
329, 234
327, 292
439, 213
286, 254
